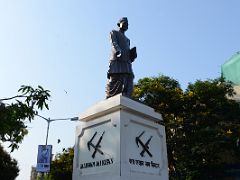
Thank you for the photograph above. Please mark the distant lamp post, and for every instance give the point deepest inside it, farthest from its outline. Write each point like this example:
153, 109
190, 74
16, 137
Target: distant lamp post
51, 120
46, 145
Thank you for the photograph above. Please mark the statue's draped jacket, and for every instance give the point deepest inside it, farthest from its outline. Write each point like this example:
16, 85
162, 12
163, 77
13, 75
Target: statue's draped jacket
122, 64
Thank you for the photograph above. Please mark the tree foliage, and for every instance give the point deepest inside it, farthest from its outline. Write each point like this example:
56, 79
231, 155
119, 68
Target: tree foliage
8, 166
62, 165
202, 124
15, 110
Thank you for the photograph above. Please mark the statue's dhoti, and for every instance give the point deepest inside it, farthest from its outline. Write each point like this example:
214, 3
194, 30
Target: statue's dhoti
120, 83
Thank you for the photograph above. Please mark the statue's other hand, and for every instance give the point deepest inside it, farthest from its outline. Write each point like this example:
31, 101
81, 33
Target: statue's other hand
118, 54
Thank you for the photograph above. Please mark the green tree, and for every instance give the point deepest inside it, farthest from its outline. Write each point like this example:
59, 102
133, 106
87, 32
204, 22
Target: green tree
9, 169
15, 110
13, 114
202, 124
62, 165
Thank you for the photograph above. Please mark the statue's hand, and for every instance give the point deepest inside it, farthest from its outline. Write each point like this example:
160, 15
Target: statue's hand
119, 54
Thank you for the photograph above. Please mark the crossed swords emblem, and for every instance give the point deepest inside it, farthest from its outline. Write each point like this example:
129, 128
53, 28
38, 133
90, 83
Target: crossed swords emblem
145, 146
97, 146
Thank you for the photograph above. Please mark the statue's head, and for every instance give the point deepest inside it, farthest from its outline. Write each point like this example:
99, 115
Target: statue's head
123, 23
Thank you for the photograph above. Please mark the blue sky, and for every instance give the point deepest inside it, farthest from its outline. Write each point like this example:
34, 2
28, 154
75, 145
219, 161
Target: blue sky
64, 46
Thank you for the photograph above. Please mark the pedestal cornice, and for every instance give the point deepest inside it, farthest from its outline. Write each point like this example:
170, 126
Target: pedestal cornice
119, 102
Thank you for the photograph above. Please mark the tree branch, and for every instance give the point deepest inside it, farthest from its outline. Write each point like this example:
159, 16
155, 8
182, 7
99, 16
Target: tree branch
14, 97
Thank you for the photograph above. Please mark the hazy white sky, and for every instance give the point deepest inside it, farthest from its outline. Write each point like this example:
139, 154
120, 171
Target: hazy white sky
64, 46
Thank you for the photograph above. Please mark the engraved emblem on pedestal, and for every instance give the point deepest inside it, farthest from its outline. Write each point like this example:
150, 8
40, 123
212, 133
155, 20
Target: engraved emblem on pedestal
97, 146
144, 146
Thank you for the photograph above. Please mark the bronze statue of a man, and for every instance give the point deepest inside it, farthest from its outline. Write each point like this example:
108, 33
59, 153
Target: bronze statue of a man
120, 74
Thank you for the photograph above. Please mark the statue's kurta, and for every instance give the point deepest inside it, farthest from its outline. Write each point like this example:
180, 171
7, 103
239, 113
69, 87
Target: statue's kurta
120, 43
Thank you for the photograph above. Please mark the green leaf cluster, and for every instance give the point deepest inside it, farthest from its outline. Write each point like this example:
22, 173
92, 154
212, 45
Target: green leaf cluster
202, 124
62, 165
15, 110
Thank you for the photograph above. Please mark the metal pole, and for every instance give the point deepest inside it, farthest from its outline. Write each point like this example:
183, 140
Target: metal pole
42, 176
48, 121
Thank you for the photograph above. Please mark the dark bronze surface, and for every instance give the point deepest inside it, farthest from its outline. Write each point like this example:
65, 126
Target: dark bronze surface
120, 74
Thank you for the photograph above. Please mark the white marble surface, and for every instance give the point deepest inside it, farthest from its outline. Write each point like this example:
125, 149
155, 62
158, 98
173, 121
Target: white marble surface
120, 155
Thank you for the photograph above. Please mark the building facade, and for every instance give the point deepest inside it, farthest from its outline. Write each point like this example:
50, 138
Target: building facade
230, 70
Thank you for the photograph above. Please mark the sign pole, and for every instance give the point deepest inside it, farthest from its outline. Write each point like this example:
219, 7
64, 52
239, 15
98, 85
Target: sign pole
48, 121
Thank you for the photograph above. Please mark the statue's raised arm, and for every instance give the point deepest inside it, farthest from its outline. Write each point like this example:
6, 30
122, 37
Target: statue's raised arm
120, 74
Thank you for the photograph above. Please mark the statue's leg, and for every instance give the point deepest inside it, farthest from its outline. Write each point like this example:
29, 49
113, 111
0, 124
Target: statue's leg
128, 85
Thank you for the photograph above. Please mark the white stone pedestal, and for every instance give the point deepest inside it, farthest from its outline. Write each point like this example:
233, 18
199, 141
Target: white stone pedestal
120, 139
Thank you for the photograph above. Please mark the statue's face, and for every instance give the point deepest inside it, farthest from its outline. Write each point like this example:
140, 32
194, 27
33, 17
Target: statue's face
124, 25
